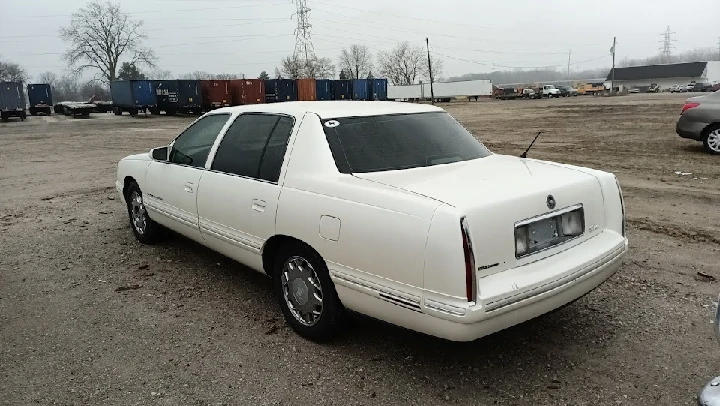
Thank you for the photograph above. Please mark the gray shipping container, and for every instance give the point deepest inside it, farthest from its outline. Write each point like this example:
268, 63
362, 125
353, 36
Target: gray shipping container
12, 100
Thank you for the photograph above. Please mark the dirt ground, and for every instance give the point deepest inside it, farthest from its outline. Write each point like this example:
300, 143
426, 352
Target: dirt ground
90, 316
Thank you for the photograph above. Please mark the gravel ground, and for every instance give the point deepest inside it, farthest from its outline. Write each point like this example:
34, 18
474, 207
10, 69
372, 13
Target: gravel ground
90, 316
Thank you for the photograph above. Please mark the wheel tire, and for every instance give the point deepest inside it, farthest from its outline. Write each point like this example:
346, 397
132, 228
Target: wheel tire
133, 112
117, 111
146, 230
33, 112
332, 316
711, 140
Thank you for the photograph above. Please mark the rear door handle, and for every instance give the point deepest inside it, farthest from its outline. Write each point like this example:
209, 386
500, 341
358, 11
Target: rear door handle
189, 187
258, 205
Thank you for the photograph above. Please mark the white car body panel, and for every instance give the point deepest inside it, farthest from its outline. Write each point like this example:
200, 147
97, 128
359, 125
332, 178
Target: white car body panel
392, 240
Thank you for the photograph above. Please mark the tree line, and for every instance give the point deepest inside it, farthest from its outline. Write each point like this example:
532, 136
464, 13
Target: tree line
108, 42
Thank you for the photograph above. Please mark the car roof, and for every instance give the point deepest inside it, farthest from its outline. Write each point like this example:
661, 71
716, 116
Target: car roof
333, 108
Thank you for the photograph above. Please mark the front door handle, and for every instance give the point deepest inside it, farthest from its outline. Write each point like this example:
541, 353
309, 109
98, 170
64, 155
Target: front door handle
258, 205
189, 187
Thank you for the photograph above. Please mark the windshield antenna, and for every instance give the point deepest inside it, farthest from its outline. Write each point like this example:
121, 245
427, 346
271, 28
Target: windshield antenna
524, 154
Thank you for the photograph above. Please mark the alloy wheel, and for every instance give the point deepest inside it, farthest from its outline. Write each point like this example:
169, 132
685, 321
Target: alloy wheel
302, 291
138, 213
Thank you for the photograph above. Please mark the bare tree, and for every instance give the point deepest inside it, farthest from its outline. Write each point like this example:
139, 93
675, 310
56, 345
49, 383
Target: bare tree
403, 64
159, 74
693, 55
12, 72
320, 68
292, 67
48, 77
357, 61
437, 69
197, 75
100, 34
66, 89
226, 76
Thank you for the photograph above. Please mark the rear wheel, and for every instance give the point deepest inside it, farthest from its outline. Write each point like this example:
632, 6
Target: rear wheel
145, 229
306, 294
117, 111
133, 112
711, 141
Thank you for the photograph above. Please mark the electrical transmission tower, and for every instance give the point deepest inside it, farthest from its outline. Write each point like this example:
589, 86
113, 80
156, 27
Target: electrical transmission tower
304, 49
667, 42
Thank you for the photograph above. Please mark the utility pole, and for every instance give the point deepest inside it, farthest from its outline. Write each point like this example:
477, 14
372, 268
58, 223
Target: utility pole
612, 75
569, 54
432, 92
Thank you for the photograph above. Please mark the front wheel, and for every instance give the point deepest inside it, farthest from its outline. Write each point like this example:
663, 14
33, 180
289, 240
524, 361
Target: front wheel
306, 294
145, 229
711, 141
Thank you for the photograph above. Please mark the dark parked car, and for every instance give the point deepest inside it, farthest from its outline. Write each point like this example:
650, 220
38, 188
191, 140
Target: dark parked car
702, 87
567, 91
700, 120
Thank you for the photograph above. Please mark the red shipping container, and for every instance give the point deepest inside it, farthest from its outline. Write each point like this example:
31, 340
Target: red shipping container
306, 89
247, 91
215, 93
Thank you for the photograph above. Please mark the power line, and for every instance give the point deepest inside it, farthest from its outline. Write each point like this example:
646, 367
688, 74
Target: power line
164, 11
435, 34
497, 65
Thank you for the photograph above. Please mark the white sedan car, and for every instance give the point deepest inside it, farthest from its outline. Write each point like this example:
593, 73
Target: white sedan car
393, 210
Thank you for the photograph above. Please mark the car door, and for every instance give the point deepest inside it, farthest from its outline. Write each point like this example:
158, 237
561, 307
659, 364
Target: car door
171, 186
238, 196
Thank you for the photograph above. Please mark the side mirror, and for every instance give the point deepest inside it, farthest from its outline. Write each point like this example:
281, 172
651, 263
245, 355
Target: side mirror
159, 154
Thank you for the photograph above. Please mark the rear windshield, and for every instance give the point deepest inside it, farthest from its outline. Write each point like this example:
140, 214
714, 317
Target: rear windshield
399, 141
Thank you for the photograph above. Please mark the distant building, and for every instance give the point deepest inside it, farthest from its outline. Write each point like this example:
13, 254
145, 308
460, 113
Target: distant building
665, 75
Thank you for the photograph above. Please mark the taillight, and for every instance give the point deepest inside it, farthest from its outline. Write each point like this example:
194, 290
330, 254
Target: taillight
689, 106
469, 260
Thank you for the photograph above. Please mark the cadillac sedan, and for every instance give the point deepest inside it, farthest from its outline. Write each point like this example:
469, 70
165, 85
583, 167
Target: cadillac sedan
392, 210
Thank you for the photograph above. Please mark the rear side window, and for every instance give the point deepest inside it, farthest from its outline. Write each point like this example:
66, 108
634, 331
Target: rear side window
400, 141
254, 146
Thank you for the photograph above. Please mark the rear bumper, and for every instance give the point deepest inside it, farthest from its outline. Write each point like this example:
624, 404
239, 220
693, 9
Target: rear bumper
533, 306
690, 129
452, 319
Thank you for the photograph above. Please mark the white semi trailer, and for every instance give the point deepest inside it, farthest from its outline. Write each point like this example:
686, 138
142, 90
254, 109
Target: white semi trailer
472, 89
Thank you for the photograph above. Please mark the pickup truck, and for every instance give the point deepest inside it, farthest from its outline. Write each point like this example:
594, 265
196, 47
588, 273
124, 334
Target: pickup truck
549, 91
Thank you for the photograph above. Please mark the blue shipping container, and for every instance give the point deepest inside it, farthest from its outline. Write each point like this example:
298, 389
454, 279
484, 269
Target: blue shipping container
342, 89
133, 94
378, 89
277, 90
39, 94
174, 96
360, 89
323, 89
12, 97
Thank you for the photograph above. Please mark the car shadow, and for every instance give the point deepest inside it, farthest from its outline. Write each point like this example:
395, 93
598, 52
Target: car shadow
533, 355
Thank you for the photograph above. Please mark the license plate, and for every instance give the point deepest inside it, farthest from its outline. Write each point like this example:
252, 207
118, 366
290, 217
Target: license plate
543, 234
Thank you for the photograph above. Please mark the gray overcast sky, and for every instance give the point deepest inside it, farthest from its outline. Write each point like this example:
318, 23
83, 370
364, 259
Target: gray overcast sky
248, 36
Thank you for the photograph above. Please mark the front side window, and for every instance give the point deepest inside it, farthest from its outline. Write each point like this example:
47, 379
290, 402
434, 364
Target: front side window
254, 146
193, 146
400, 141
